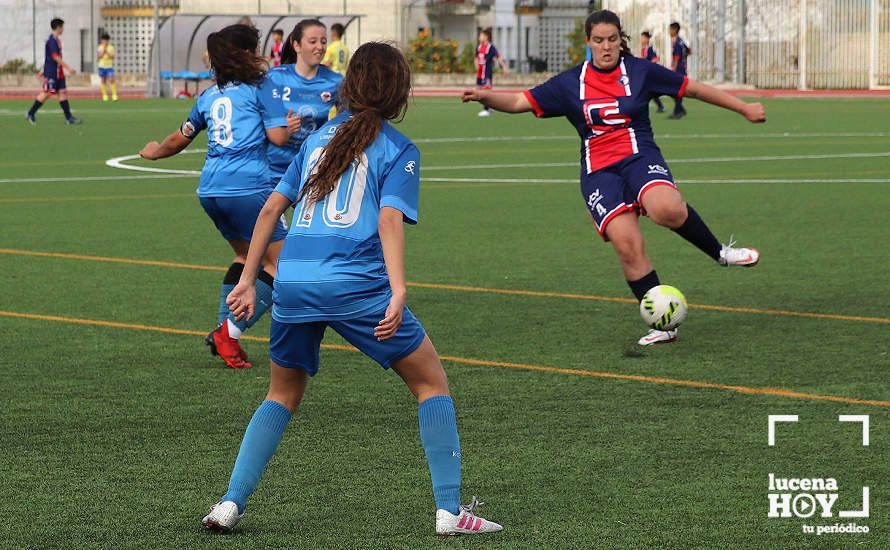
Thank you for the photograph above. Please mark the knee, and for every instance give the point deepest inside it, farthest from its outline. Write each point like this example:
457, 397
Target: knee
669, 215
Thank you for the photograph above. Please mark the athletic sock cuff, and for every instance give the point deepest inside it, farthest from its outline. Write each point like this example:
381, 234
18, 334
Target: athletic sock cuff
266, 278
437, 411
272, 415
233, 275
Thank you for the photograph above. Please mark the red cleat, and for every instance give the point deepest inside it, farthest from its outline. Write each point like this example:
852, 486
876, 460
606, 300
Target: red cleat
227, 347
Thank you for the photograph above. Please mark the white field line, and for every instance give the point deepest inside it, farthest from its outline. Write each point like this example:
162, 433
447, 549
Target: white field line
574, 137
681, 182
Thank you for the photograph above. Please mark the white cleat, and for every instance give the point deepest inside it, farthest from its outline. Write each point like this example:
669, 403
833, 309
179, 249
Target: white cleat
465, 522
223, 517
658, 337
744, 256
484, 112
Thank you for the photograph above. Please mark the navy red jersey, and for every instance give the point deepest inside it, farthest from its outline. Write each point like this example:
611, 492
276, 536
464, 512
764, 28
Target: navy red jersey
680, 53
276, 54
485, 56
648, 53
52, 69
609, 109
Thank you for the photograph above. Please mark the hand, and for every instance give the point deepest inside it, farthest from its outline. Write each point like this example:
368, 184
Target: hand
293, 122
150, 151
470, 95
392, 320
242, 300
754, 112
71, 71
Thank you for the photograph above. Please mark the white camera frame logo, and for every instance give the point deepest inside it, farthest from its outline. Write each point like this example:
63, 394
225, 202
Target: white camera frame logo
802, 498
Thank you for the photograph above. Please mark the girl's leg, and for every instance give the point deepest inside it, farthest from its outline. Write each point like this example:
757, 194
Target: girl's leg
665, 206
103, 85
627, 240
264, 431
423, 373
113, 82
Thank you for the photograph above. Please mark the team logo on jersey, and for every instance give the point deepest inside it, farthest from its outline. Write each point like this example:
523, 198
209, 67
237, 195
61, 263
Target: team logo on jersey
326, 96
275, 94
657, 169
410, 167
623, 80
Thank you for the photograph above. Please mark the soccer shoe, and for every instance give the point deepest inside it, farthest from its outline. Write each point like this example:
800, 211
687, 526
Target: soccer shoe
72, 120
114, 98
223, 517
743, 256
227, 347
31, 118
660, 110
465, 522
104, 98
658, 337
484, 112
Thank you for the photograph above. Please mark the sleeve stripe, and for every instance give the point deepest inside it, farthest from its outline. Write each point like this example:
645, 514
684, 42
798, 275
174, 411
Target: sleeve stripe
531, 99
682, 91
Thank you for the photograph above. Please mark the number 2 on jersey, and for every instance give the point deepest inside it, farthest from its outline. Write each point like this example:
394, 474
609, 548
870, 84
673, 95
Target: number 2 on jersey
356, 177
221, 115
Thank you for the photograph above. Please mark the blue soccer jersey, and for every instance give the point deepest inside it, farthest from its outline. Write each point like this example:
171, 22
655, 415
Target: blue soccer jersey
331, 266
609, 109
236, 118
311, 99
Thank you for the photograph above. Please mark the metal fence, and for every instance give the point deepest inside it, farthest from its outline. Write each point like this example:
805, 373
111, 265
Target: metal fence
772, 43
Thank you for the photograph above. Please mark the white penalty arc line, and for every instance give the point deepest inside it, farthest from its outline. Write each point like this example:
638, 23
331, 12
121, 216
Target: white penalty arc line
118, 162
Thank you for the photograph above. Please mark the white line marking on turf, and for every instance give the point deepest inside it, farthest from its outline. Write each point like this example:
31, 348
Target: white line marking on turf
21, 113
774, 135
670, 161
91, 178
681, 182
118, 162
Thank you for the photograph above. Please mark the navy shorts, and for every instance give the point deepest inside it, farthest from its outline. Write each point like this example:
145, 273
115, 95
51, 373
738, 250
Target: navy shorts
483, 83
620, 187
54, 85
235, 217
106, 72
296, 345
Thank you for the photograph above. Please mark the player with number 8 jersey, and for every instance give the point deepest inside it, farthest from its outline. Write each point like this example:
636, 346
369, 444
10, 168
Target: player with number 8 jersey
241, 115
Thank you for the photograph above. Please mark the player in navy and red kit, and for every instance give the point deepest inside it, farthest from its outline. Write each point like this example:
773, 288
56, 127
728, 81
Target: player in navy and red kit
648, 52
54, 75
678, 64
277, 45
622, 171
486, 54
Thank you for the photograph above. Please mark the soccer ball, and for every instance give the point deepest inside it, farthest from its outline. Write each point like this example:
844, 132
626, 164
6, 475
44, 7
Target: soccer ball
663, 307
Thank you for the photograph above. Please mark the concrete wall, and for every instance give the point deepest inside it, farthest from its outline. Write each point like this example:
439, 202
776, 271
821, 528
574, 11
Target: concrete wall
22, 31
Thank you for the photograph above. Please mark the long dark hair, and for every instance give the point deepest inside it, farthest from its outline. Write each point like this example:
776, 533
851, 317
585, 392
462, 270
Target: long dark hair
288, 53
611, 18
376, 88
233, 55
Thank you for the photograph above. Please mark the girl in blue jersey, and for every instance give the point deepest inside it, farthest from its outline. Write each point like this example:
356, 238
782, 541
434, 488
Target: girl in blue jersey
623, 173
241, 114
353, 184
307, 89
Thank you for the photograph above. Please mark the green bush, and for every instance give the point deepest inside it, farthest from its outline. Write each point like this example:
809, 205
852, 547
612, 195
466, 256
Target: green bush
17, 66
430, 55
577, 44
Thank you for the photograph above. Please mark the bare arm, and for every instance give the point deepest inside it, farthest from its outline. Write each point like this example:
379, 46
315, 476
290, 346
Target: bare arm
242, 299
507, 102
502, 64
277, 135
754, 112
58, 59
392, 239
172, 144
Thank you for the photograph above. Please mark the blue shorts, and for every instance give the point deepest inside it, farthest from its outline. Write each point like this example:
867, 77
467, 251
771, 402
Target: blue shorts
620, 187
235, 217
296, 345
483, 83
103, 73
